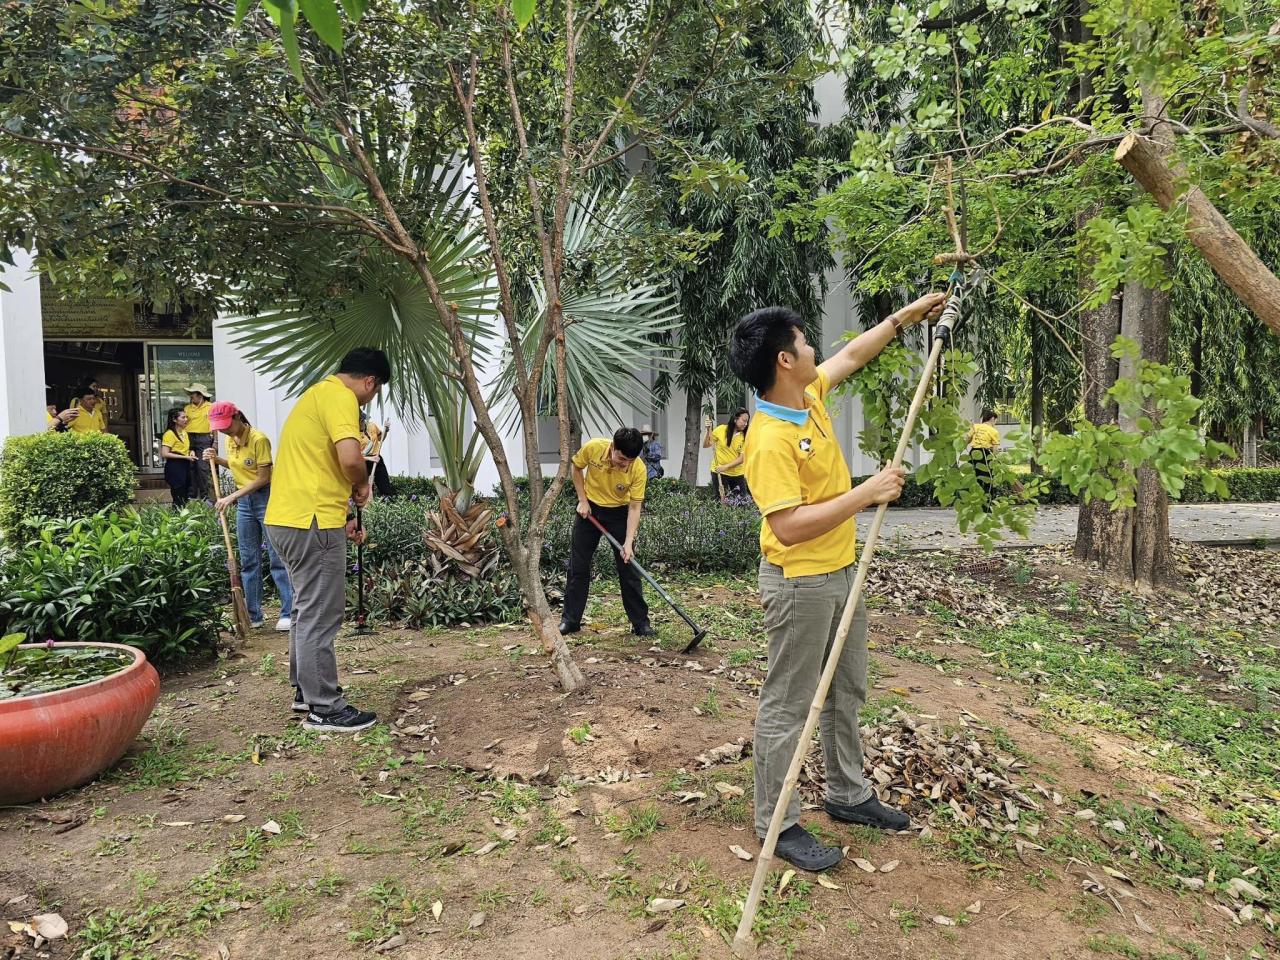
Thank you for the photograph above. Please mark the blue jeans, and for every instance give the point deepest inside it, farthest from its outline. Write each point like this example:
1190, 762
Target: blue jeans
250, 535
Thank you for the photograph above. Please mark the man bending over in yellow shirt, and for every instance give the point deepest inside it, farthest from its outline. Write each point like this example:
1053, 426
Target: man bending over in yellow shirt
610, 480
800, 481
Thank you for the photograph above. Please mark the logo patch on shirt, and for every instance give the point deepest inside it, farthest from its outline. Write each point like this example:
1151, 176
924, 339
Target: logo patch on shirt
620, 487
248, 461
806, 445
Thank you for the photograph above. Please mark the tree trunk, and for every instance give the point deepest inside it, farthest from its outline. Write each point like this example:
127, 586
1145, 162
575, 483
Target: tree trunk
1249, 445
1145, 318
526, 560
1103, 536
1037, 389
1223, 249
692, 438
575, 432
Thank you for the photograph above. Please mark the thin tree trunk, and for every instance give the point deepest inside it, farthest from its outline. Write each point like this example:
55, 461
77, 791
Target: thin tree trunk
1103, 536
1145, 318
1037, 388
692, 438
526, 561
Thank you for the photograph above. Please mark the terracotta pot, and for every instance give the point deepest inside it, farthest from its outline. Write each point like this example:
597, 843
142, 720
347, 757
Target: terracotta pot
54, 741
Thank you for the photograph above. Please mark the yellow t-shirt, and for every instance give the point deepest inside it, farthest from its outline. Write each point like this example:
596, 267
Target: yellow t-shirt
87, 422
245, 460
789, 465
178, 442
198, 417
371, 440
608, 486
307, 482
48, 419
726, 453
984, 437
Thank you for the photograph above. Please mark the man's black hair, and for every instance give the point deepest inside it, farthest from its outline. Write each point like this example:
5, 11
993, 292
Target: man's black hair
366, 362
87, 391
756, 342
627, 441
988, 414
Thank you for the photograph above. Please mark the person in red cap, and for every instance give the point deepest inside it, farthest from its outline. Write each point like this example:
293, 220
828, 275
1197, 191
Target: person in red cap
249, 460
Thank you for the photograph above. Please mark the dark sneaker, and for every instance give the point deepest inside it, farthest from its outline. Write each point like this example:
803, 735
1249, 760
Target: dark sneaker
869, 813
803, 850
346, 720
567, 627
644, 630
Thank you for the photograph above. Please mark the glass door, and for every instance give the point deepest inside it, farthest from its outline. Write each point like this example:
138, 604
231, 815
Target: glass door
170, 368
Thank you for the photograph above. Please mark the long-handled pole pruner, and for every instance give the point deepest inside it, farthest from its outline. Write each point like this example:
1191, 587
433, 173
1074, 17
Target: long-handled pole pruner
698, 632
233, 568
743, 942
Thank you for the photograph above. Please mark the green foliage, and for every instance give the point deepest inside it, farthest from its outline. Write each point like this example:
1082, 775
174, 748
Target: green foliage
405, 583
885, 387
61, 476
1133, 247
1102, 461
154, 578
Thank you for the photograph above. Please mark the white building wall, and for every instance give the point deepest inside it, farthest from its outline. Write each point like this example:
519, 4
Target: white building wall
21, 349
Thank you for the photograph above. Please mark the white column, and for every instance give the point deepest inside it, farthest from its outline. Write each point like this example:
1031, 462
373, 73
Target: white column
21, 349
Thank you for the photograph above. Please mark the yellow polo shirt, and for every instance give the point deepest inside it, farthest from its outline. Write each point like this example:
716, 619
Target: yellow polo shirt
789, 465
307, 482
244, 461
984, 437
607, 486
198, 417
727, 453
177, 441
87, 422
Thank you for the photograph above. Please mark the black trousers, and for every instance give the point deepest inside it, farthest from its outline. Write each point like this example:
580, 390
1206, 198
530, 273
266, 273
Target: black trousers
382, 480
177, 474
201, 487
736, 487
585, 540
980, 457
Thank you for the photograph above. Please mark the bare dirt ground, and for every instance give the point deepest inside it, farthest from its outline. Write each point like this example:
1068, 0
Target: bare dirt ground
490, 815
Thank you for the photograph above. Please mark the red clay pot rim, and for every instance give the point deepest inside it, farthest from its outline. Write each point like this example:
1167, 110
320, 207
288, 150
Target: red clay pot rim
15, 704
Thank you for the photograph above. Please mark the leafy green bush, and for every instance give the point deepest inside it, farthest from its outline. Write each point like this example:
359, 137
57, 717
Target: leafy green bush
423, 488
679, 529
153, 578
61, 476
415, 594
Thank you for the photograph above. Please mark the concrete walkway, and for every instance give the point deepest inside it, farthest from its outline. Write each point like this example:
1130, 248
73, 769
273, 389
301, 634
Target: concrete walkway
1246, 524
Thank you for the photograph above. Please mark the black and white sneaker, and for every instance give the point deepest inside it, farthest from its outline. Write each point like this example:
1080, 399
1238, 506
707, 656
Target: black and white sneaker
346, 720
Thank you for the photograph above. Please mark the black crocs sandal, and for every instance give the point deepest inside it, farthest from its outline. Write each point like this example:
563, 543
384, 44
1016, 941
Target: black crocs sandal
803, 850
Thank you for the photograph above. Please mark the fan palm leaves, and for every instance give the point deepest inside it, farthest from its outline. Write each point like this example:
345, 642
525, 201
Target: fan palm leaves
615, 324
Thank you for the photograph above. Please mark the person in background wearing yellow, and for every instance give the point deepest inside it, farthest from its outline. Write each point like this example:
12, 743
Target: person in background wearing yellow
727, 459
201, 435
808, 537
610, 480
249, 460
371, 439
319, 471
179, 461
984, 442
55, 422
90, 417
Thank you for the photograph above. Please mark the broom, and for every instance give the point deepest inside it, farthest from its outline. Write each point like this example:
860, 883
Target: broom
233, 568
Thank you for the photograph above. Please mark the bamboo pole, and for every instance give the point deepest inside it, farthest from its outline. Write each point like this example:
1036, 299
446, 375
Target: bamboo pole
743, 942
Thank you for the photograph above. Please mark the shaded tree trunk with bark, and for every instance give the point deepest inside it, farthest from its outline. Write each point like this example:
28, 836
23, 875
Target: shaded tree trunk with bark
692, 439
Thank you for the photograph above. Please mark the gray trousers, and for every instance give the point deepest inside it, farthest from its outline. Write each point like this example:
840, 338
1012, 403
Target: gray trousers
801, 616
317, 564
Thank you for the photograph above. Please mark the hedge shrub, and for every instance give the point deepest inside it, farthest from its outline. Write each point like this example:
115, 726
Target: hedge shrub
61, 476
153, 578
